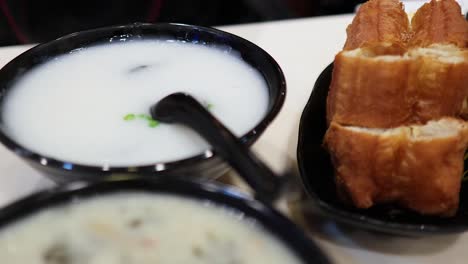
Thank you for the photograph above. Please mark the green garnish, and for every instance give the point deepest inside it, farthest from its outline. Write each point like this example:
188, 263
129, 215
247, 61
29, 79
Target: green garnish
129, 117
151, 122
207, 105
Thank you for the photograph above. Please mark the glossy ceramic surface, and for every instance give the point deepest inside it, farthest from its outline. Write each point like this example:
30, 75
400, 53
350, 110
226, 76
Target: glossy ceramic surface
184, 109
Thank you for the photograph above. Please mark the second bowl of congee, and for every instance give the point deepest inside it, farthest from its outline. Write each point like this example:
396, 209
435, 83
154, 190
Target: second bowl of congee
141, 222
78, 107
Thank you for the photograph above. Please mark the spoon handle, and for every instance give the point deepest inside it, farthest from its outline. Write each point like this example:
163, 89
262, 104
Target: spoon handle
184, 109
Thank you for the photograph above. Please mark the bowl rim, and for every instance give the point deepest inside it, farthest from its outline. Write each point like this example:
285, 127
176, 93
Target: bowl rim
349, 217
280, 227
157, 167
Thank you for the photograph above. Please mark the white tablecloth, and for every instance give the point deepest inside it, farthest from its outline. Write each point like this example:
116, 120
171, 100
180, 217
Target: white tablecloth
302, 48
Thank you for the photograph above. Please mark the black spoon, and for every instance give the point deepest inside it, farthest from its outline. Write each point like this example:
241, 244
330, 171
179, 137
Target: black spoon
184, 109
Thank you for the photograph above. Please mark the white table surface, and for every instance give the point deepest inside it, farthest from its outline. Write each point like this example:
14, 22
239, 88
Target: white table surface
302, 48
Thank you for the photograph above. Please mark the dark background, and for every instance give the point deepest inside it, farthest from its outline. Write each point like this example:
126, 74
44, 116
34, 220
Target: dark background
32, 21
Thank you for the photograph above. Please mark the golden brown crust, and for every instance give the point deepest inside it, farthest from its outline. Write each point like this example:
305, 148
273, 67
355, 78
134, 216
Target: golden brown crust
357, 167
376, 22
418, 173
391, 76
383, 93
367, 92
439, 21
464, 112
436, 88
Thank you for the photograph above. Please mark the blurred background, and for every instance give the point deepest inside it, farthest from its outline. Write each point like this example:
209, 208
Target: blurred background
33, 21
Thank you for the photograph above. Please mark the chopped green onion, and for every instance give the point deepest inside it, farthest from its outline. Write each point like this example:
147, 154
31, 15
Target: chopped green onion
153, 123
129, 117
207, 105
146, 117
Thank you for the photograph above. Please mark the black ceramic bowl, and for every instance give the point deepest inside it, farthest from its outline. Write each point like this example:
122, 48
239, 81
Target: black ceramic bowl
267, 217
318, 177
207, 164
